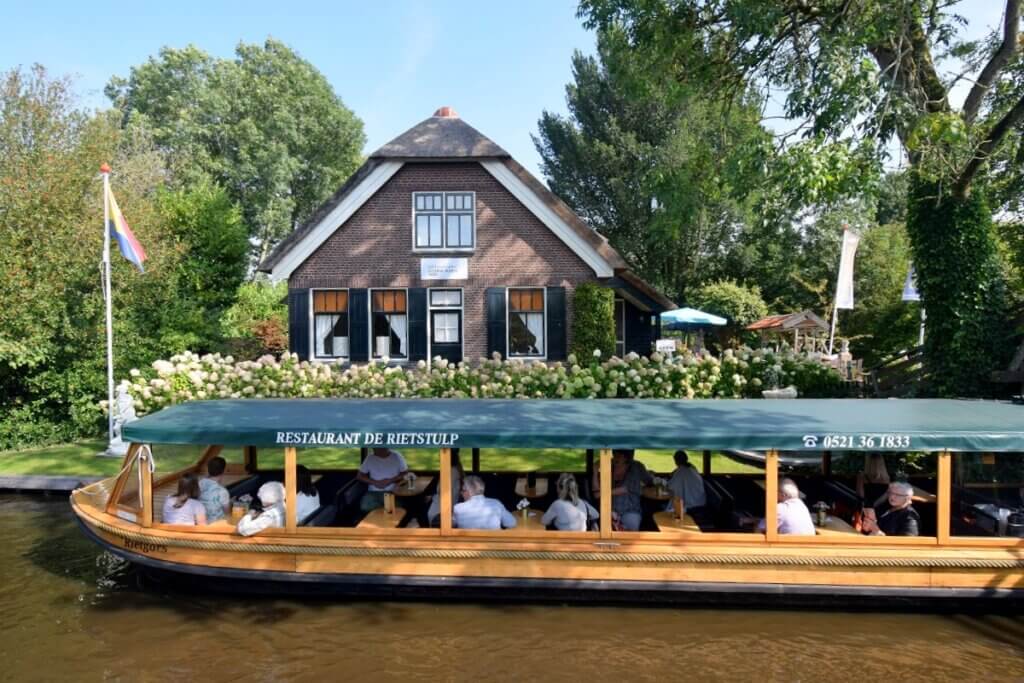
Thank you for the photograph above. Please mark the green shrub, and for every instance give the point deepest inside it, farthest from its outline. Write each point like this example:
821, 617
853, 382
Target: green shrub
593, 321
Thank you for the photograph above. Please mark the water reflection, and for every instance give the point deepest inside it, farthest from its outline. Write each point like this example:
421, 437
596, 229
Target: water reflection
69, 610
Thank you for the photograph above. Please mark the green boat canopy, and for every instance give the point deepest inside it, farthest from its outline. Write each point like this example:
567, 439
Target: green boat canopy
749, 424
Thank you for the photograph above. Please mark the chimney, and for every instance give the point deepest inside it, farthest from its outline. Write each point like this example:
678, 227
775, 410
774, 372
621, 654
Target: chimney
446, 113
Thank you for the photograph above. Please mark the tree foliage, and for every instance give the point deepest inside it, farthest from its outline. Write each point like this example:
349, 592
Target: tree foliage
593, 321
266, 126
856, 75
663, 174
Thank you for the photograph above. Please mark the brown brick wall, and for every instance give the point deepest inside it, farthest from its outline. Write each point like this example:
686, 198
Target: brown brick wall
513, 248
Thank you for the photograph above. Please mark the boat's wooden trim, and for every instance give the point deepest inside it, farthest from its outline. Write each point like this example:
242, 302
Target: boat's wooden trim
444, 488
126, 470
145, 460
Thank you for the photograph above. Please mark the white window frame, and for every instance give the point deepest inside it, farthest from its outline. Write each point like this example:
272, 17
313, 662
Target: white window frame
508, 325
444, 222
312, 325
369, 323
461, 309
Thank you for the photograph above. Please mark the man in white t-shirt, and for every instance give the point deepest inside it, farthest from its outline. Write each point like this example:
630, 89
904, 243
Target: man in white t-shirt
381, 470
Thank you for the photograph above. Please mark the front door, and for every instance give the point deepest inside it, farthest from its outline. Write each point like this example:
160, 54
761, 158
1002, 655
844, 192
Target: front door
446, 324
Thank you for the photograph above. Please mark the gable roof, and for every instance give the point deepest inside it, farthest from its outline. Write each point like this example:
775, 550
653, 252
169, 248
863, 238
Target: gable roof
787, 321
443, 136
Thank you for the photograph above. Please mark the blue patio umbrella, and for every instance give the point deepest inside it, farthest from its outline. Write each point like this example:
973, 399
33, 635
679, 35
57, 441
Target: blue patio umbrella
689, 319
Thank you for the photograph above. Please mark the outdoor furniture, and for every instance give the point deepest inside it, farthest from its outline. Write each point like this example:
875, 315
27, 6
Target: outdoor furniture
403, 490
666, 521
379, 519
808, 330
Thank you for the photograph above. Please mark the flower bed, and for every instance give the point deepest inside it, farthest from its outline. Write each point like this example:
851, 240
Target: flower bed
739, 374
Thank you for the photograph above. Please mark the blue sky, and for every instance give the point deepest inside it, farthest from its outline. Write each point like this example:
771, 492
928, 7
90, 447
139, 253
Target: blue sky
500, 64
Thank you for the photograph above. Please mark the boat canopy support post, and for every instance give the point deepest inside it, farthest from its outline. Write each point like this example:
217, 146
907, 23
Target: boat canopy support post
606, 492
476, 460
444, 487
945, 491
126, 471
826, 463
707, 463
145, 463
290, 497
771, 496
590, 464
249, 459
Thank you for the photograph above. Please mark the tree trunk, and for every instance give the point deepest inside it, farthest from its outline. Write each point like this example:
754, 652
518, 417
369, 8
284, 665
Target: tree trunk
962, 287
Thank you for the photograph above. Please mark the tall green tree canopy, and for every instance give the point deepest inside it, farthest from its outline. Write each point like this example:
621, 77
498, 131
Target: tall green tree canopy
266, 126
856, 75
665, 175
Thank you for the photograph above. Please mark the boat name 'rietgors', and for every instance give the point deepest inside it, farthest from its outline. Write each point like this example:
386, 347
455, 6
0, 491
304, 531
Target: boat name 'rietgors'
367, 438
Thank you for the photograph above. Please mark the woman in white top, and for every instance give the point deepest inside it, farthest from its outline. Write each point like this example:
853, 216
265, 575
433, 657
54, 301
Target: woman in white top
458, 474
271, 495
569, 512
184, 507
308, 498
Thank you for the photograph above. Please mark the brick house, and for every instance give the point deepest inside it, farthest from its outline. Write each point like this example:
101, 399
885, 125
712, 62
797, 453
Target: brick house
442, 245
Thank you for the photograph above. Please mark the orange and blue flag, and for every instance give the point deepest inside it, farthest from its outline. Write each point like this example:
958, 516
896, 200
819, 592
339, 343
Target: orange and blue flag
119, 230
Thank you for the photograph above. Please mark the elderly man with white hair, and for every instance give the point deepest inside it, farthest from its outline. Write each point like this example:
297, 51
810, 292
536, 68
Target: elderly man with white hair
794, 519
479, 512
271, 496
896, 516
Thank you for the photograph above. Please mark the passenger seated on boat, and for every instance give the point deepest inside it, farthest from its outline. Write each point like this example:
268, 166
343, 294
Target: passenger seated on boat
686, 483
381, 470
307, 497
874, 472
895, 517
569, 512
215, 498
793, 517
184, 507
479, 512
271, 497
628, 480
458, 474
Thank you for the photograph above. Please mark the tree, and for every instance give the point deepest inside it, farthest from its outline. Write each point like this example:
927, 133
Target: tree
736, 303
266, 126
660, 172
857, 74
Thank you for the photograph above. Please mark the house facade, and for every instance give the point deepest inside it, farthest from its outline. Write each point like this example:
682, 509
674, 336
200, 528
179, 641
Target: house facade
442, 245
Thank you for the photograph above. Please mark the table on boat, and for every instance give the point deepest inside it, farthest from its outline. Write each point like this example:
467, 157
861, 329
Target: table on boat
538, 490
403, 490
532, 520
378, 519
666, 521
835, 526
657, 493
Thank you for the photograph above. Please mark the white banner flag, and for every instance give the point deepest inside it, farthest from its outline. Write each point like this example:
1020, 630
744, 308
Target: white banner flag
844, 285
910, 292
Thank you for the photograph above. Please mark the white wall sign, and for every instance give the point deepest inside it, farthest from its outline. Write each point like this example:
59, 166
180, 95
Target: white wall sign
665, 345
444, 269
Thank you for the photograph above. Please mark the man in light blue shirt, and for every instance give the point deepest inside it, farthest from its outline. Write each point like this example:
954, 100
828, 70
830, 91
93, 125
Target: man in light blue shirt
479, 512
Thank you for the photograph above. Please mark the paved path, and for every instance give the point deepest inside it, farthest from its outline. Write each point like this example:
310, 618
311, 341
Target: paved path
41, 482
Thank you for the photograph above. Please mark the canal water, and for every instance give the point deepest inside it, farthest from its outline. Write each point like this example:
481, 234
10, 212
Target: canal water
70, 612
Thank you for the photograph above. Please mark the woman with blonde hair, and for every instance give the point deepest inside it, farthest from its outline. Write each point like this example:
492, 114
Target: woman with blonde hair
569, 512
184, 507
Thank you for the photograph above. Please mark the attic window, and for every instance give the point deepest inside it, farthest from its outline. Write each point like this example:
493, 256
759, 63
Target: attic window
444, 220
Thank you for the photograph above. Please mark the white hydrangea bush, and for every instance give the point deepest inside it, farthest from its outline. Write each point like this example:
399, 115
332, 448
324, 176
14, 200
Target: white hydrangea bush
737, 374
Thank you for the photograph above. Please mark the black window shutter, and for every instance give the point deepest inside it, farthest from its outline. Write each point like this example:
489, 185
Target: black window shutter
298, 322
556, 323
496, 321
417, 323
358, 325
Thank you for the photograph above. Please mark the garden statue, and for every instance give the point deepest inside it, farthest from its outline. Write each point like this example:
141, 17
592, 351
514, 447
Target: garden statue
124, 412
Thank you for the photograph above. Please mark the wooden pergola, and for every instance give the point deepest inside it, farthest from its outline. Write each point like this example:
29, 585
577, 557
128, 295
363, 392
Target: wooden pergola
808, 330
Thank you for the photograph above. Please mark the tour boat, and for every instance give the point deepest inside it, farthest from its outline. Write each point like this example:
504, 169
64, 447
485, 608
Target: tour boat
968, 548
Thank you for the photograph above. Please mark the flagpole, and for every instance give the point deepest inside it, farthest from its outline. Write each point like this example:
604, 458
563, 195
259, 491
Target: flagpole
105, 172
835, 299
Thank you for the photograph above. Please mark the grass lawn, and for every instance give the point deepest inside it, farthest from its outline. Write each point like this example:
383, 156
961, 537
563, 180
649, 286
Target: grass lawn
80, 459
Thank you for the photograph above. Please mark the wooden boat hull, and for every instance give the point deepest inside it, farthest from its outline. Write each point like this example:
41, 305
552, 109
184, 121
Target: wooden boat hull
643, 572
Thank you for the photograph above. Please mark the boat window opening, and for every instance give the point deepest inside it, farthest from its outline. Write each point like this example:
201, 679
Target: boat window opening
988, 495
